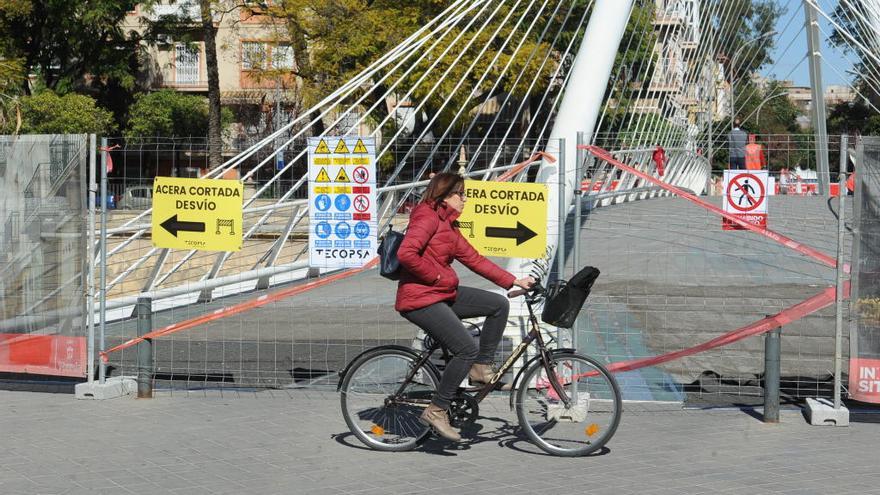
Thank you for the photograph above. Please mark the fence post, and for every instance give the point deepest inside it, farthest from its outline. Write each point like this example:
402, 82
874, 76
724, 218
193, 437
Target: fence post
144, 311
102, 371
838, 327
771, 375
90, 255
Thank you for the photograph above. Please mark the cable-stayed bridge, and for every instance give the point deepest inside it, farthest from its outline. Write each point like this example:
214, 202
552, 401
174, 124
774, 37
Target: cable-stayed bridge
495, 89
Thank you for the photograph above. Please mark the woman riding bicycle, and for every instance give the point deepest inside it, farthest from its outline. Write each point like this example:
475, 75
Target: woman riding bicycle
429, 296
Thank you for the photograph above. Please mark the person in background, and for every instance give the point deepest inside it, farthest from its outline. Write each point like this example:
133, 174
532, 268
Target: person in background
429, 296
755, 159
736, 146
659, 157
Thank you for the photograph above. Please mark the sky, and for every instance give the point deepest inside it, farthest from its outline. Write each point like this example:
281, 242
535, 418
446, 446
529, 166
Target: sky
791, 46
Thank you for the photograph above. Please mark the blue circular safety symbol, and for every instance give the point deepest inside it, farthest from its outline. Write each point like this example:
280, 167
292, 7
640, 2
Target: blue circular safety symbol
322, 202
322, 230
343, 230
343, 202
361, 230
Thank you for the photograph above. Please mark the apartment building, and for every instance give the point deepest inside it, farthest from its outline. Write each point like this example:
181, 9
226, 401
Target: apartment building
256, 62
685, 81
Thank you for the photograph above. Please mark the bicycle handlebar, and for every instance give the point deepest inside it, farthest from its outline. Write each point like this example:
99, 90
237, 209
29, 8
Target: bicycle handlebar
536, 288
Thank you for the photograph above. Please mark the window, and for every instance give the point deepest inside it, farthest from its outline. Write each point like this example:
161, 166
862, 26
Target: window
186, 63
253, 55
282, 57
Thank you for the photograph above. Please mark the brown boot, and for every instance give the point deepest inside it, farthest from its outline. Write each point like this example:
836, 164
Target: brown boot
482, 373
437, 418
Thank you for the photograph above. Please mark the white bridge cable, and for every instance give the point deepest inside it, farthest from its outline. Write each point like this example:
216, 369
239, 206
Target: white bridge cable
491, 93
560, 92
437, 112
872, 77
509, 94
389, 180
518, 113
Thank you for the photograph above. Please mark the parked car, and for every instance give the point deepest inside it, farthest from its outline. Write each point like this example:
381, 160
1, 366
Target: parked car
137, 198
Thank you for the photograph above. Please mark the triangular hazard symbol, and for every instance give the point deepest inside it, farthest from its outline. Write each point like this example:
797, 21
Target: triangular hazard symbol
342, 176
359, 147
341, 147
323, 176
322, 148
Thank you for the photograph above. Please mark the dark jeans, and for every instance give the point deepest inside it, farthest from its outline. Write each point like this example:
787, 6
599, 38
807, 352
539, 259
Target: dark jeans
442, 321
738, 162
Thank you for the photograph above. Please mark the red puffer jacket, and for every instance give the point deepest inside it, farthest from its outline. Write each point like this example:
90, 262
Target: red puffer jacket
426, 254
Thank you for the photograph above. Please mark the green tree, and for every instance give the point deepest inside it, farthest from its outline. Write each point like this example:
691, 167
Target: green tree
169, 113
62, 41
11, 76
48, 113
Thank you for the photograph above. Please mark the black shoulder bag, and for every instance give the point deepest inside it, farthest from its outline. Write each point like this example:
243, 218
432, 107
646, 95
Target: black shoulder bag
389, 265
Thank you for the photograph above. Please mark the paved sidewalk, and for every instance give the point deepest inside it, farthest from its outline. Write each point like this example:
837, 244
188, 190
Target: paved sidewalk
292, 442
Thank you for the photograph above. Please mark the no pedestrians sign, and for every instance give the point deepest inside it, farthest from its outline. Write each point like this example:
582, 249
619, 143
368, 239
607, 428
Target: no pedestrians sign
745, 195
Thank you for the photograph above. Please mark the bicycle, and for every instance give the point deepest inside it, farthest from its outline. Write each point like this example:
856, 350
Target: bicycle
567, 404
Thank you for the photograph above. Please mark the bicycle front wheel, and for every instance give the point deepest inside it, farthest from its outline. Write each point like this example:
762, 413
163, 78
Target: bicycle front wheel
380, 409
588, 421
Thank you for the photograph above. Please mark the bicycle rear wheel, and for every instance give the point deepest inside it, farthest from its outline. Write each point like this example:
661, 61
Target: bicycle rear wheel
378, 412
589, 421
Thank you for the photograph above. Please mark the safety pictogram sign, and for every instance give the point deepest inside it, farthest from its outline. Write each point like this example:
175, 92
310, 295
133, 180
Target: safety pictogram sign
745, 195
343, 214
202, 214
322, 148
359, 147
322, 176
341, 176
361, 175
505, 219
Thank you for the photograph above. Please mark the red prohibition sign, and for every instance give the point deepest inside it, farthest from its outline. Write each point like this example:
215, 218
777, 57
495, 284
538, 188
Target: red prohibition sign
361, 175
361, 203
743, 186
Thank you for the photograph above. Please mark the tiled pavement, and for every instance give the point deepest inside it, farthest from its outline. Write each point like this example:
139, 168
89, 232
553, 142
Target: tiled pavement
292, 442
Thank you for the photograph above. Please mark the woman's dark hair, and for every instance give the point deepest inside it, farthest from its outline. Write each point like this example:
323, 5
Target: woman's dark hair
440, 187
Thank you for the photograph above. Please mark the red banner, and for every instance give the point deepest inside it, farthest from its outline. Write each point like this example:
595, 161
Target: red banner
864, 379
57, 355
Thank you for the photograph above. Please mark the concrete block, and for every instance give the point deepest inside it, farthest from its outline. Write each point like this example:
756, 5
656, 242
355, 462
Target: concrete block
112, 388
821, 412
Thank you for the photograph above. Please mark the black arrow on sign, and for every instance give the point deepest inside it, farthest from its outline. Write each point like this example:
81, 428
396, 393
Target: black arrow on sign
173, 226
521, 233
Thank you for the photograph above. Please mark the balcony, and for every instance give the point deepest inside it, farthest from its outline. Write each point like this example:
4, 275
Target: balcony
184, 86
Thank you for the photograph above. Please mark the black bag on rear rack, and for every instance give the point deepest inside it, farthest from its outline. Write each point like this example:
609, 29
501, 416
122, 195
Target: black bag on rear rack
565, 299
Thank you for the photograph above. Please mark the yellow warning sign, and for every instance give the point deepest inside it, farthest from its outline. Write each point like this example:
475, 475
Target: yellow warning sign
341, 147
505, 219
202, 214
322, 148
359, 147
342, 176
323, 176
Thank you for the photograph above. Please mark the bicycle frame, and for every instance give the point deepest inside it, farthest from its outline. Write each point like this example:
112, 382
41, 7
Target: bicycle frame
534, 335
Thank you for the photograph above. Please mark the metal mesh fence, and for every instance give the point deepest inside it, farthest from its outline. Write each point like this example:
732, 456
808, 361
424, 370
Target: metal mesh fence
671, 278
295, 339
43, 204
